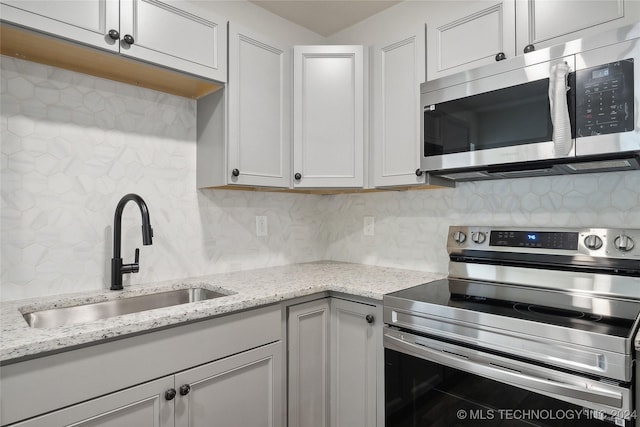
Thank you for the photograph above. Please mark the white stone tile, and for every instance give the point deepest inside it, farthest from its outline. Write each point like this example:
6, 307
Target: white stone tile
20, 125
20, 87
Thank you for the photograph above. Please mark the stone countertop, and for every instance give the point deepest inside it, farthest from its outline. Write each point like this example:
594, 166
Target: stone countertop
245, 289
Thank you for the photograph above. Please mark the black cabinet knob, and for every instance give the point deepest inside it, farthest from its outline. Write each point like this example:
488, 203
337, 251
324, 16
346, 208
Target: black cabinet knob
114, 34
529, 48
418, 172
499, 57
235, 172
170, 394
298, 176
369, 318
128, 39
185, 389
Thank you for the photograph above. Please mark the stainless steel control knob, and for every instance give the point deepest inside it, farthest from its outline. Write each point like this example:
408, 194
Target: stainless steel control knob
623, 243
478, 237
459, 237
593, 242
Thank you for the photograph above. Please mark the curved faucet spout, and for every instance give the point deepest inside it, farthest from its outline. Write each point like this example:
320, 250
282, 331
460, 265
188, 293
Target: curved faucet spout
117, 267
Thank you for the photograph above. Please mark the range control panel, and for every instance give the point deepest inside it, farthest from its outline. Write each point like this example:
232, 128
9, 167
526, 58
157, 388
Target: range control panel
535, 239
597, 242
604, 99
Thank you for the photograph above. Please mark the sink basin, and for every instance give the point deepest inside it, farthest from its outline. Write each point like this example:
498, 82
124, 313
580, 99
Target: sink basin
63, 316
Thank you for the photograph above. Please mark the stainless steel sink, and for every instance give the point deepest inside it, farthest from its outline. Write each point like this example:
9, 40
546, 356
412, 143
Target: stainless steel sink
63, 316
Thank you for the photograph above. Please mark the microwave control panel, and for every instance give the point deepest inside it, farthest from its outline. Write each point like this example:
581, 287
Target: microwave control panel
604, 99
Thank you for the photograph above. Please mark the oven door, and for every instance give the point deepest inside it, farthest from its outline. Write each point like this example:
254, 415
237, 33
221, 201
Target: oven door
497, 119
435, 383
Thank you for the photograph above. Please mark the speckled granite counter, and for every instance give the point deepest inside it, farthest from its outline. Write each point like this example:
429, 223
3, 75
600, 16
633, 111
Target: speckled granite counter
246, 289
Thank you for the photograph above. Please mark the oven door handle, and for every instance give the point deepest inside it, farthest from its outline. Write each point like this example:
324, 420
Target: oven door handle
457, 358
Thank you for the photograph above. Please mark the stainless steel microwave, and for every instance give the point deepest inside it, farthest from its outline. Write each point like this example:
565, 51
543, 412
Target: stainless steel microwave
571, 108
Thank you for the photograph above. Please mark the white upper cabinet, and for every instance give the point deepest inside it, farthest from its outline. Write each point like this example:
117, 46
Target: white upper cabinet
398, 70
464, 36
328, 116
461, 35
157, 32
244, 130
87, 21
543, 23
174, 37
259, 145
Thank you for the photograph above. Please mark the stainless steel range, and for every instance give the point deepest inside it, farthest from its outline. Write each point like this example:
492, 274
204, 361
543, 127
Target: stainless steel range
531, 327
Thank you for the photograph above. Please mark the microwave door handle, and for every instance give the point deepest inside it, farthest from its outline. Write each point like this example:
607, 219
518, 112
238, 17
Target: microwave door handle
562, 141
537, 384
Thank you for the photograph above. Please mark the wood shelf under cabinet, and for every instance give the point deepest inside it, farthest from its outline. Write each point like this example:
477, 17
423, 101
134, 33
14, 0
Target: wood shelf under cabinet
329, 191
37, 47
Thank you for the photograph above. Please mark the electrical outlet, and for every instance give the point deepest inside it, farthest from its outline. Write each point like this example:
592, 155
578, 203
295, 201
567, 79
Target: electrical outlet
262, 227
369, 225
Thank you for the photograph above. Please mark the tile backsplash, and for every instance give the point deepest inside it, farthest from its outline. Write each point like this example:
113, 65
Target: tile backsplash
411, 227
73, 145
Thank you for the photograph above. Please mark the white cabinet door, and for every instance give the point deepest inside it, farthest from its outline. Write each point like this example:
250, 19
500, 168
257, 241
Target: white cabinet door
328, 116
241, 390
142, 406
468, 35
544, 23
399, 68
173, 37
259, 144
87, 21
308, 340
355, 339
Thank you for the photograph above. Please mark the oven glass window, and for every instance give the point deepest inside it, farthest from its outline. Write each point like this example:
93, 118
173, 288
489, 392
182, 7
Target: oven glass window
514, 115
421, 393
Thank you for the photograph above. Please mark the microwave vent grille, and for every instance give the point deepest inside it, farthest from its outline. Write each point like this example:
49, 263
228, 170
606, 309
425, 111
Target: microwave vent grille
466, 175
601, 165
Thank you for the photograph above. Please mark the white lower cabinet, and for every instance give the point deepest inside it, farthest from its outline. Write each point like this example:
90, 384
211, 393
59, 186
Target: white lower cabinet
355, 337
243, 389
227, 372
335, 363
141, 406
308, 377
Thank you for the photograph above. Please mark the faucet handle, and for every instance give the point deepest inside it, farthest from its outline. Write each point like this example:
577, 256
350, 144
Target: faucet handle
132, 268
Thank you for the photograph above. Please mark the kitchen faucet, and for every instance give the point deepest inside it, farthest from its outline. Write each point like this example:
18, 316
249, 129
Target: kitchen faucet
117, 268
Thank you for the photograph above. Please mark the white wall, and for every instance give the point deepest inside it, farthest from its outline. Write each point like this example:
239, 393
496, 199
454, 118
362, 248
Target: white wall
400, 18
259, 20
